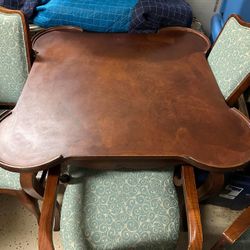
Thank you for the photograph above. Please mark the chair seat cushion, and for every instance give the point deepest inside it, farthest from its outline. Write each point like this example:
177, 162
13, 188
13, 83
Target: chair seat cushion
9, 180
120, 210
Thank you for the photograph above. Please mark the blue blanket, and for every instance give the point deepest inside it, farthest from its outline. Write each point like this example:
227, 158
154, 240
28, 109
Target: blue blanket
114, 15
150, 15
27, 6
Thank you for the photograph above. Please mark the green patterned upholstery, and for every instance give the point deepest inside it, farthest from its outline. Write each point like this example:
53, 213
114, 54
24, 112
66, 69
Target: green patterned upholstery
243, 243
120, 210
13, 59
9, 180
230, 56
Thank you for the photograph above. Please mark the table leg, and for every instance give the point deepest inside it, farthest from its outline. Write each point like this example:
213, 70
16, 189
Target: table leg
45, 240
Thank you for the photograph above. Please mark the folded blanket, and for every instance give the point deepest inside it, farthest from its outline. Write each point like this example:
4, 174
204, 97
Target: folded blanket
27, 6
91, 15
151, 15
114, 15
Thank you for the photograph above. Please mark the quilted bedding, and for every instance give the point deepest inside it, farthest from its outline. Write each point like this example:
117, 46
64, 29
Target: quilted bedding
27, 6
134, 16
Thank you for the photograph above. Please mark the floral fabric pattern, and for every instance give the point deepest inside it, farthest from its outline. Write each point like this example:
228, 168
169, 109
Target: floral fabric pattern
9, 180
230, 57
120, 210
13, 59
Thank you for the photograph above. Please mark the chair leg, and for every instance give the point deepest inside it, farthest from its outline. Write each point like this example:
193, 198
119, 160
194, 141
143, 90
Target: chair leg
35, 188
30, 203
45, 239
57, 217
212, 186
31, 186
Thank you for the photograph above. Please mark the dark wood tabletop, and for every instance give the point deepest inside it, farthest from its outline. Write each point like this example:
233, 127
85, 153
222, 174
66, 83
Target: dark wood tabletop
120, 98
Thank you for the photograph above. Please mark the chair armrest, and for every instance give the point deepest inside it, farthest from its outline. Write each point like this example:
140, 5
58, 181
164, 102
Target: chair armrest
45, 239
234, 231
195, 237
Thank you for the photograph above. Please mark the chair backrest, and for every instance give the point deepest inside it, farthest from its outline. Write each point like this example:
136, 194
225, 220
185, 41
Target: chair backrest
14, 55
229, 58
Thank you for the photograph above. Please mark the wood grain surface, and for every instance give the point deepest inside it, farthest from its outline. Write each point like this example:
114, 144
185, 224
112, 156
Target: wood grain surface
122, 97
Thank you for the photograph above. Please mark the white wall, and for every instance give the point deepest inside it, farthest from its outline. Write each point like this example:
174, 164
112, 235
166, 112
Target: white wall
203, 10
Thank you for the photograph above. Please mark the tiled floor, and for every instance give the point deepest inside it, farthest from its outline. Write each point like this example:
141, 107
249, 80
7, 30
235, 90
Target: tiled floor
18, 228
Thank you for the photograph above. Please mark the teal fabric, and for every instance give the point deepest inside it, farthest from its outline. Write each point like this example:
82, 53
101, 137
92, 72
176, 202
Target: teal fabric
120, 210
243, 243
13, 59
9, 180
230, 56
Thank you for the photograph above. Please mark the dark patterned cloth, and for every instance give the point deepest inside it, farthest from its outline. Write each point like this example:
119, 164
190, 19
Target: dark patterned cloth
151, 15
27, 6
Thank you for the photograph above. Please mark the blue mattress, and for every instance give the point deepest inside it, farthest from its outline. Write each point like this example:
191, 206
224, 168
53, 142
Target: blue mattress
114, 15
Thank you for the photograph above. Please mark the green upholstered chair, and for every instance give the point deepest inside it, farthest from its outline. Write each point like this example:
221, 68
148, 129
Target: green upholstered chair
15, 63
237, 235
121, 210
229, 59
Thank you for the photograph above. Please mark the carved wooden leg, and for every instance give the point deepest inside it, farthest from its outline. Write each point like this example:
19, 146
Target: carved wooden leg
192, 208
31, 185
234, 231
212, 186
57, 217
35, 188
45, 239
30, 203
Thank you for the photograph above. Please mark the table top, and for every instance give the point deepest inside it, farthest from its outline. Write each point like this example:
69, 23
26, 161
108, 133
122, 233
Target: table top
128, 97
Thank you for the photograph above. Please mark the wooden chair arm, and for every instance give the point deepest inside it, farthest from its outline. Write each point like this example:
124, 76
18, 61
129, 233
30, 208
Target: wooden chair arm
45, 239
195, 236
234, 231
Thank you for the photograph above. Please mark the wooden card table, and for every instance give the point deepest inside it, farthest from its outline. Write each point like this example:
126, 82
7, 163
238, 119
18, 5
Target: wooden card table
111, 100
